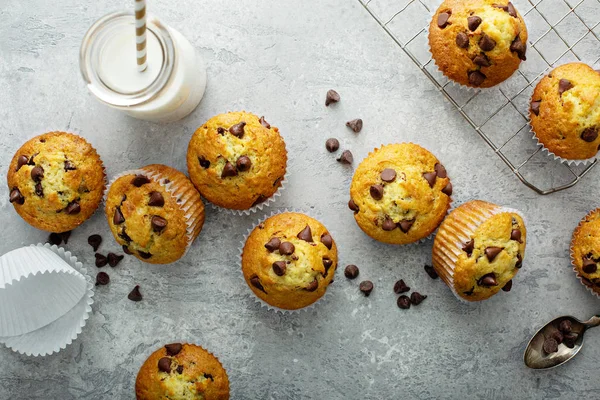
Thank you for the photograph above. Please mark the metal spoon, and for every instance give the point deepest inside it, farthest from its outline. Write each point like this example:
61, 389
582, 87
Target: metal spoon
535, 357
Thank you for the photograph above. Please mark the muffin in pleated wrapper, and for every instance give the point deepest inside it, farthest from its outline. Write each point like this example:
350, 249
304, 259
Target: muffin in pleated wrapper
479, 248
585, 251
45, 299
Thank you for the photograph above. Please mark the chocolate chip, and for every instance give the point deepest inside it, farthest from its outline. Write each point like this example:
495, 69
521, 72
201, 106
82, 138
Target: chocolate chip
511, 10
473, 22
65, 236
39, 190
447, 190
417, 298
101, 260
431, 271
69, 166
346, 157
264, 123
519, 262
388, 224
55, 239
156, 200
488, 280
403, 302
273, 244
279, 267
558, 336
140, 180
565, 326
228, 170
507, 286
376, 192
351, 205
589, 134
332, 145
237, 130
118, 218
356, 125
135, 294
569, 339
430, 177
73, 208
442, 19
519, 47
126, 250
535, 107
332, 97
476, 78
16, 196
327, 263
550, 346
468, 247
314, 285
491, 252
204, 163
440, 170
366, 287
481, 60
164, 364
388, 175
260, 199
462, 40
327, 240
31, 161
515, 234
221, 131
144, 255
351, 271
22, 160
400, 287
563, 86
102, 278
114, 259
37, 173
173, 349
180, 369
305, 234
486, 43
589, 266
158, 223
243, 164
286, 248
123, 235
406, 225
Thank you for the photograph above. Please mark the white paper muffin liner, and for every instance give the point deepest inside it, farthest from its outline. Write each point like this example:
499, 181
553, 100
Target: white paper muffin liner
193, 211
47, 299
447, 256
572, 255
258, 300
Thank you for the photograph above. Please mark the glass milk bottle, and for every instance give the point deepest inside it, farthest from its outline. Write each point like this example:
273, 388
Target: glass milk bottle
169, 89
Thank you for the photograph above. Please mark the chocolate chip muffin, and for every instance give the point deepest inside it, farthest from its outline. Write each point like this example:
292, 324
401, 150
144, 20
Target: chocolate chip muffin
182, 372
565, 111
479, 248
237, 160
56, 181
585, 251
477, 43
155, 213
400, 193
289, 260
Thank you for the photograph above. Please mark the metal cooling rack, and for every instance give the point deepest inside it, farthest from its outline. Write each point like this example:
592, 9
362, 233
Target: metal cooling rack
560, 31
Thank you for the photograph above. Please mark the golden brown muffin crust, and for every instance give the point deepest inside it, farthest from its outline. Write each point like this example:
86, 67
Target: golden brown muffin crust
305, 271
585, 250
56, 181
182, 372
237, 160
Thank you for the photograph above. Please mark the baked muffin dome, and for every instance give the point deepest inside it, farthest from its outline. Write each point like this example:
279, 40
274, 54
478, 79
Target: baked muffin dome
56, 181
182, 372
585, 251
479, 248
289, 260
400, 193
478, 43
565, 111
237, 160
155, 213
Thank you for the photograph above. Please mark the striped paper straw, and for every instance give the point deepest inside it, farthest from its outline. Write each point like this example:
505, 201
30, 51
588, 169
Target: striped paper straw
140, 34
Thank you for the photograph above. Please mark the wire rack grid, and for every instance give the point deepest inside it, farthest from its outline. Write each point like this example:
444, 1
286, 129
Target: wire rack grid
560, 31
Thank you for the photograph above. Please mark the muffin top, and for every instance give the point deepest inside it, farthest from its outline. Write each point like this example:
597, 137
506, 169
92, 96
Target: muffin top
478, 43
289, 260
565, 111
56, 181
400, 193
147, 211
585, 250
237, 160
182, 372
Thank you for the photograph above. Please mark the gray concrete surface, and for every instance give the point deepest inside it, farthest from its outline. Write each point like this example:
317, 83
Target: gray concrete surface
278, 58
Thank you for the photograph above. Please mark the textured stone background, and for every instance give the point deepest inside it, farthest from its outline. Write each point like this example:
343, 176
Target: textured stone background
278, 58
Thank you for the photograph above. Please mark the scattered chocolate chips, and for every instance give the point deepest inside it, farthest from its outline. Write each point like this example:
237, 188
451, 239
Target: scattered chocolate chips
486, 43
491, 252
403, 302
173, 349
589, 134
431, 271
565, 326
473, 22
140, 180
488, 280
351, 205
273, 244
55, 239
327, 240
417, 298
65, 236
22, 160
476, 78
101, 260
332, 97
314, 285
114, 259
164, 364
39, 190
366, 287
156, 200
204, 163
37, 173
388, 224
430, 177
589, 266
400, 287
102, 278
228, 170
279, 267
351, 271
447, 190
332, 145
468, 247
346, 157
356, 125
515, 234
442, 19
462, 40
535, 107
388, 175
406, 225
118, 218
519, 47
144, 255
243, 164
305, 234
550, 346
16, 196
73, 208
286, 248
376, 192
507, 286
564, 85
264, 123
237, 130
135, 294
481, 60
440, 170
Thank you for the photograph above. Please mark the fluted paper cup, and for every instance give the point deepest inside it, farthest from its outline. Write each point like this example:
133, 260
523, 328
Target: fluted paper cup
45, 299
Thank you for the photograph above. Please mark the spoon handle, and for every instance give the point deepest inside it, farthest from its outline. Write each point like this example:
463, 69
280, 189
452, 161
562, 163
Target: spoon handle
592, 322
